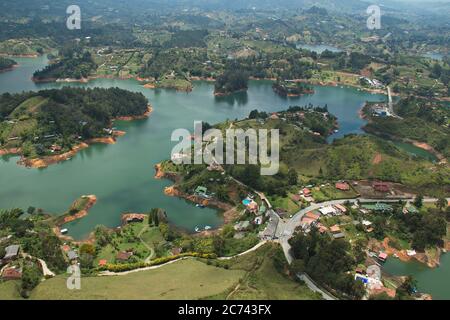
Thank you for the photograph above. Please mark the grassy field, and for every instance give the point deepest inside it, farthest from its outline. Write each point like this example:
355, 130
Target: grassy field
9, 290
187, 279
263, 280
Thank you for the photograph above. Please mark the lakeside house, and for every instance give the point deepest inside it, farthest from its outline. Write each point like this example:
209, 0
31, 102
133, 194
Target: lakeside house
72, 255
342, 186
133, 217
13, 273
123, 256
201, 191
382, 256
11, 252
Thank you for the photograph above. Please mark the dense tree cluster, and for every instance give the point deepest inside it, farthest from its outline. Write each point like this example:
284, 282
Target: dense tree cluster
75, 63
6, 63
231, 81
35, 238
327, 261
68, 114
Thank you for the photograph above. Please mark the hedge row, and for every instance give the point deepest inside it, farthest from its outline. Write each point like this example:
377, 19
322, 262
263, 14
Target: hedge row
158, 261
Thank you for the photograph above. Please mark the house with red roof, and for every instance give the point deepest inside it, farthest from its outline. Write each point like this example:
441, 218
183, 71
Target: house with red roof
12, 274
343, 186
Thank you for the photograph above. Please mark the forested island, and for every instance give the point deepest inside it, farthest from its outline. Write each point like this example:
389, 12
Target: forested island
6, 64
230, 82
52, 122
291, 89
74, 63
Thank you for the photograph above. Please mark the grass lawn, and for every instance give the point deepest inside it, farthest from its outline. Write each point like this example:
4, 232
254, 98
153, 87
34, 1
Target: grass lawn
187, 279
9, 290
285, 203
331, 193
152, 235
263, 280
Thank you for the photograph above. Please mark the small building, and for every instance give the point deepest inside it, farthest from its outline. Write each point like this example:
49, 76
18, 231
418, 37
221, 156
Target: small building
72, 255
366, 223
335, 229
343, 186
123, 256
176, 251
12, 274
201, 190
341, 208
382, 256
55, 148
312, 215
133, 217
11, 252
339, 235
327, 210
296, 197
252, 207
306, 192
322, 228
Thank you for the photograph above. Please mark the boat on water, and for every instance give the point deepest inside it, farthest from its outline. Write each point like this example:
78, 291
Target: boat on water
64, 231
200, 206
197, 229
208, 227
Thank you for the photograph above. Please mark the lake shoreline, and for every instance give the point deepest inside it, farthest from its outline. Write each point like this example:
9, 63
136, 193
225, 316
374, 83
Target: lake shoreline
44, 162
419, 144
173, 191
66, 218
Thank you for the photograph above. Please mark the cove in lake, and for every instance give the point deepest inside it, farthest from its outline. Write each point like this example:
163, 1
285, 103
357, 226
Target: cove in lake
435, 281
121, 175
416, 151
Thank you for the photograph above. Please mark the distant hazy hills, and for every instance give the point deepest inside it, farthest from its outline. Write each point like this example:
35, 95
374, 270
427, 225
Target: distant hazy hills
121, 8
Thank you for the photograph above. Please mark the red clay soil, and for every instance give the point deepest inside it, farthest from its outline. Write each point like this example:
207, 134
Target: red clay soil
4, 152
377, 159
422, 257
145, 115
92, 199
